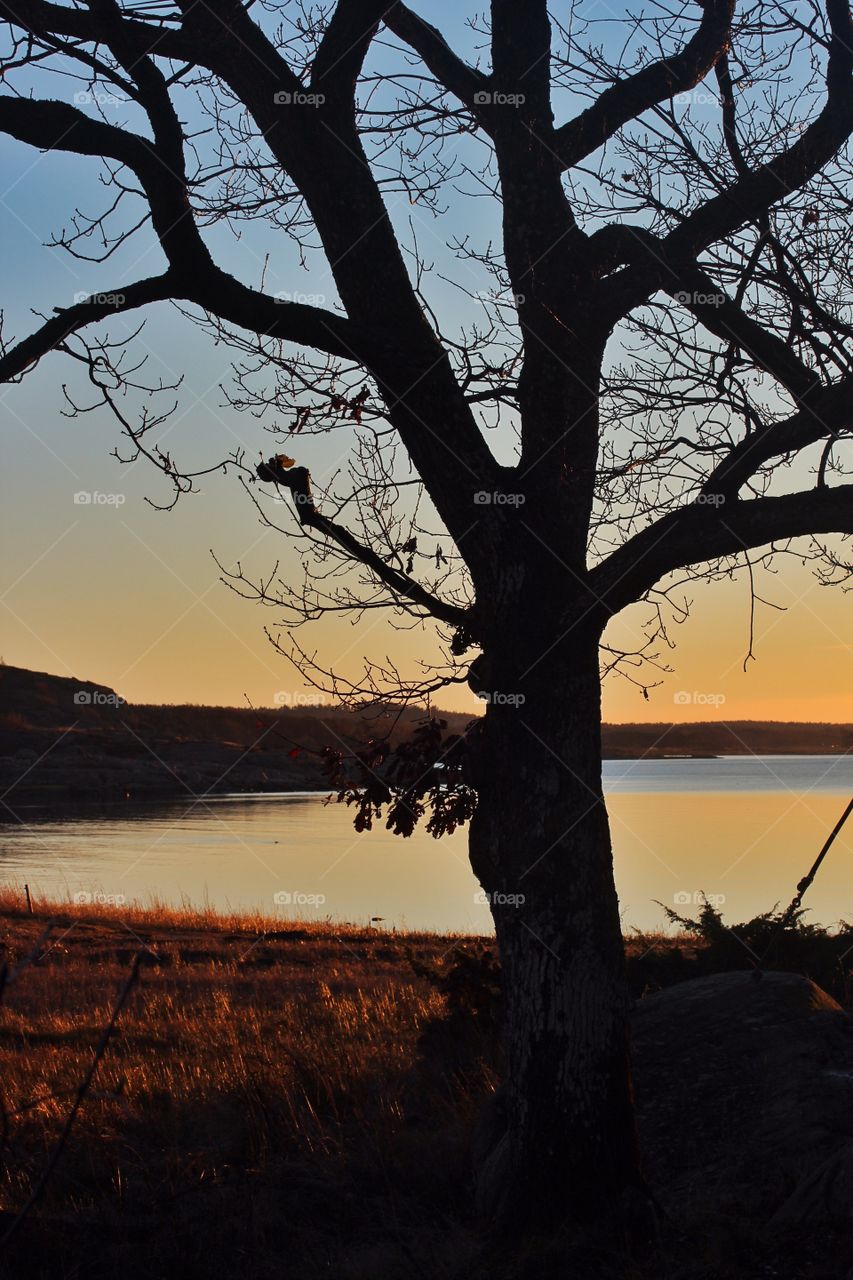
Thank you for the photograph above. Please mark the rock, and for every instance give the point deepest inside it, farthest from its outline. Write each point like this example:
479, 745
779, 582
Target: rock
745, 1095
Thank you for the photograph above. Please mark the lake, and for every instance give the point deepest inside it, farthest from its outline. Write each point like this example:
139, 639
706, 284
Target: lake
743, 830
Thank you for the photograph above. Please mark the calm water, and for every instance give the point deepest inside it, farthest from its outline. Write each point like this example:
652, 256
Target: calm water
743, 829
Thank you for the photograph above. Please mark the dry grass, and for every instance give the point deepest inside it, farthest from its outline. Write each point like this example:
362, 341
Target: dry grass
255, 1092
263, 1109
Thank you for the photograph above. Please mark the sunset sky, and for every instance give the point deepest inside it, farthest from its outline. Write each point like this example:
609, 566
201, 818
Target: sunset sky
129, 596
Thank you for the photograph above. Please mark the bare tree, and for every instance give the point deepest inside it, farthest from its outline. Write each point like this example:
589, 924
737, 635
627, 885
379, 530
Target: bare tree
665, 327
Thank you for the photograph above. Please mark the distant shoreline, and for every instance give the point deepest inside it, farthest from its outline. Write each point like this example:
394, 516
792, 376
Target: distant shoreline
50, 804
66, 742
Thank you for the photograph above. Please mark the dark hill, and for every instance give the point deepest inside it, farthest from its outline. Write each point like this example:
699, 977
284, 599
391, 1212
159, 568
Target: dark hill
64, 739
722, 738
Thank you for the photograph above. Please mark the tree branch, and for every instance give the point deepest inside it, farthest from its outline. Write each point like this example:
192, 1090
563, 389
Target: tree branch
298, 481
17, 359
629, 98
829, 412
753, 194
720, 315
192, 275
321, 150
344, 46
707, 531
319, 147
41, 18
693, 288
464, 82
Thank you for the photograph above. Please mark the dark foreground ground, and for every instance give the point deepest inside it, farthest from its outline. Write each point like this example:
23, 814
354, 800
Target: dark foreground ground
299, 1101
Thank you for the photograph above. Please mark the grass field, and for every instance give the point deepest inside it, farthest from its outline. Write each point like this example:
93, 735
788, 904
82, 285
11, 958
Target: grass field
253, 1096
268, 1104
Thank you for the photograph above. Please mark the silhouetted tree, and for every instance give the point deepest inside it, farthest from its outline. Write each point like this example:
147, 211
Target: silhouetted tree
665, 325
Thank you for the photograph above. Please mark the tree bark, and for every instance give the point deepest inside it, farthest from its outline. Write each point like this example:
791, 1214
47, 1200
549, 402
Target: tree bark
563, 1147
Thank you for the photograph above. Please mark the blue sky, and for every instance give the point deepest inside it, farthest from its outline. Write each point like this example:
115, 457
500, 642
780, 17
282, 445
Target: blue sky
121, 593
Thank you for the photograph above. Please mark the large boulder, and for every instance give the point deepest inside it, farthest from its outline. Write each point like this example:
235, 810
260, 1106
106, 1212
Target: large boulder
744, 1089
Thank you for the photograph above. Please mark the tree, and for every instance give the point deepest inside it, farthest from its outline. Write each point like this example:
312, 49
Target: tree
668, 332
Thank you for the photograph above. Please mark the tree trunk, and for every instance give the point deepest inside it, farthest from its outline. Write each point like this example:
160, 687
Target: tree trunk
564, 1149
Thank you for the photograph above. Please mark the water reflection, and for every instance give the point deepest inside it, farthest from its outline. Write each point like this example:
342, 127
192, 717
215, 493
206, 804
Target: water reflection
742, 830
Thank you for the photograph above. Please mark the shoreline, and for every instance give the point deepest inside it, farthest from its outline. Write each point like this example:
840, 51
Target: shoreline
164, 920
58, 801
67, 742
